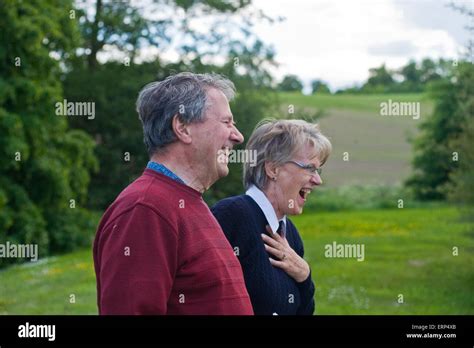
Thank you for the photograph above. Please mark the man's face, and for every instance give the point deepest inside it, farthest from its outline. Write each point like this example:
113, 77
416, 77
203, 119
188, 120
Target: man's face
215, 135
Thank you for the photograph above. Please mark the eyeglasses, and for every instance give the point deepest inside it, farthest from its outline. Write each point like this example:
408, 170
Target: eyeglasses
309, 167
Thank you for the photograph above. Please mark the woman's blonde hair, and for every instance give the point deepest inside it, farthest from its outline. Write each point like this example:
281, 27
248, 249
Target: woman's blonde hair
277, 141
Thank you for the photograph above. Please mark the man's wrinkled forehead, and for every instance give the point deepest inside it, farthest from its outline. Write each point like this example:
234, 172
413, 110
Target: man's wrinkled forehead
217, 104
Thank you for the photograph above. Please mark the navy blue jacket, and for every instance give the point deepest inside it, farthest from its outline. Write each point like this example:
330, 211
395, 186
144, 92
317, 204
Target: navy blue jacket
271, 290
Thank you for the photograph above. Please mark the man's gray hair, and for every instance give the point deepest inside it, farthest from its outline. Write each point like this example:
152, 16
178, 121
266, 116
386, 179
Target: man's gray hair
277, 141
183, 95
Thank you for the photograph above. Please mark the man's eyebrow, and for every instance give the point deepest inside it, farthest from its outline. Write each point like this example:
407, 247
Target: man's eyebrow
230, 118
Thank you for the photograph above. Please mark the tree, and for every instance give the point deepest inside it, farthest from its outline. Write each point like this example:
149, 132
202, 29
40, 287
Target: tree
320, 87
443, 151
460, 186
411, 77
435, 159
291, 83
429, 71
126, 26
116, 128
44, 166
119, 25
410, 73
379, 81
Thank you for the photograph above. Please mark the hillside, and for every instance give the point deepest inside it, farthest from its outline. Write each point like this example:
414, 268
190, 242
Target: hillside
378, 148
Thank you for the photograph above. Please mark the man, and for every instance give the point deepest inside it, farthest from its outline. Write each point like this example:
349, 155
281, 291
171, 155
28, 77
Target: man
158, 249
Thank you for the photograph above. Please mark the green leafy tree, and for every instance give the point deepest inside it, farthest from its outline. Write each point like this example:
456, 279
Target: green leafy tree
128, 26
443, 151
290, 83
435, 148
43, 164
320, 87
411, 78
430, 70
380, 80
460, 187
118, 24
411, 75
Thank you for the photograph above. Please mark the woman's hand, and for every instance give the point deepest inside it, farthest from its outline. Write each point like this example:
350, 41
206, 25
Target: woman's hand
294, 265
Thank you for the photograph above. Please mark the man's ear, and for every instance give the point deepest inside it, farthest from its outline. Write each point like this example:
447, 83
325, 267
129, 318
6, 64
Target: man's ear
271, 169
181, 130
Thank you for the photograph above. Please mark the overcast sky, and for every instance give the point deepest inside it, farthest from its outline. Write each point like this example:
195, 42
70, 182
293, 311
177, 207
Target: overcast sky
339, 40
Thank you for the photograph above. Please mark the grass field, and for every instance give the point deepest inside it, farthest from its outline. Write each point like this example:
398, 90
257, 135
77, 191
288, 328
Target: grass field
407, 252
378, 148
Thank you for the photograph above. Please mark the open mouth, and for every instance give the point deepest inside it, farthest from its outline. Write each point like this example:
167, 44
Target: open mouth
223, 154
304, 192
226, 150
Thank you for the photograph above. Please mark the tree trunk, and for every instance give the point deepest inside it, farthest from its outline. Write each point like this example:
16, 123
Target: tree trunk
95, 44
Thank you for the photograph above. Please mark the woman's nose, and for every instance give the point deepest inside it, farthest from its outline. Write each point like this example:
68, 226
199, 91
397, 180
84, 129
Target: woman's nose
316, 179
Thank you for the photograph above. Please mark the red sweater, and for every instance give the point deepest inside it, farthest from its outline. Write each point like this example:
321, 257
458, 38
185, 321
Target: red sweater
159, 250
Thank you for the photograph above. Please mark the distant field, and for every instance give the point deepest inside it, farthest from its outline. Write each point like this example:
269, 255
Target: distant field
407, 251
377, 146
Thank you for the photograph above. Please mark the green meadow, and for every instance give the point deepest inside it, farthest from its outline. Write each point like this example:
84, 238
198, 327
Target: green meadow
407, 252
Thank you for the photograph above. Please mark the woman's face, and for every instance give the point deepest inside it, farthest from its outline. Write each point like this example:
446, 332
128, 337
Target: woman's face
288, 193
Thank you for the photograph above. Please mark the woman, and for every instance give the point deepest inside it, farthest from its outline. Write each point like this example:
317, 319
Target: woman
290, 154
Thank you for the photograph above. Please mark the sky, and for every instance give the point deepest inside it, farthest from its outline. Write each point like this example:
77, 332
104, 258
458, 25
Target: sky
338, 41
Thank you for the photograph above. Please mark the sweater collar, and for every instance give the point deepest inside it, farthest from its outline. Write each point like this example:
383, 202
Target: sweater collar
172, 182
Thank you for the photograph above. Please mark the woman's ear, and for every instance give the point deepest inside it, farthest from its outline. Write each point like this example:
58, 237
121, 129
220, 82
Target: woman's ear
181, 130
271, 169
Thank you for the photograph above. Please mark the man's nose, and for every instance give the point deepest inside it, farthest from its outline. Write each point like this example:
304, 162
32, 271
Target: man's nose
236, 136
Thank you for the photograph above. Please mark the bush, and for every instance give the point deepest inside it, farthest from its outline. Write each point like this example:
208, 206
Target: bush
359, 197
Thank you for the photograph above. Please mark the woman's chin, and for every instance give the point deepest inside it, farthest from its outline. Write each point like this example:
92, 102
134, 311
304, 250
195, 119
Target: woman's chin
299, 211
296, 210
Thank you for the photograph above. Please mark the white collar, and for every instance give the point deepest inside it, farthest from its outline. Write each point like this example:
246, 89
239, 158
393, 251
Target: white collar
259, 197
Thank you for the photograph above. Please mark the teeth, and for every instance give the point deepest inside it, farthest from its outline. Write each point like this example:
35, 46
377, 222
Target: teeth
225, 150
306, 192
223, 155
